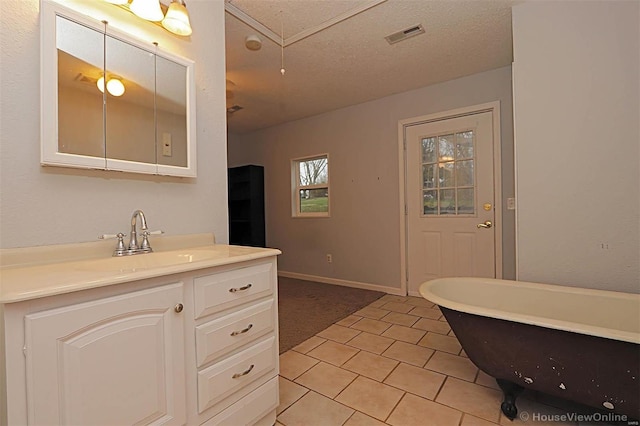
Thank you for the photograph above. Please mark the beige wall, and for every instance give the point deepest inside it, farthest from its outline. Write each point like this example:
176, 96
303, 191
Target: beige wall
363, 232
50, 205
577, 137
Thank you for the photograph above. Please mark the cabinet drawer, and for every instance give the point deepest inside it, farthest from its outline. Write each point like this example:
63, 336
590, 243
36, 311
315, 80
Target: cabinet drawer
216, 337
230, 375
251, 408
225, 289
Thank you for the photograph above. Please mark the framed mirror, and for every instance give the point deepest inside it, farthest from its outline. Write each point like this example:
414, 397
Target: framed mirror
112, 102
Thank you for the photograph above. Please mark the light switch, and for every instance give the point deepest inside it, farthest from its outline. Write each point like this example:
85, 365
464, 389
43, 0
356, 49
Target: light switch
511, 203
166, 144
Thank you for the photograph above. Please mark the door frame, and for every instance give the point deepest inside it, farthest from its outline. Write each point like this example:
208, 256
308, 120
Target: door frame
494, 108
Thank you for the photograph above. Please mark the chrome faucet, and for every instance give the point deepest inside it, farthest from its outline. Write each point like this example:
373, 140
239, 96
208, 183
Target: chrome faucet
133, 237
133, 247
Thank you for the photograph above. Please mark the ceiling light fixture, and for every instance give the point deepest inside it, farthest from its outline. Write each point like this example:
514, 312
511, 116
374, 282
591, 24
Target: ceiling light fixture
175, 21
115, 87
147, 9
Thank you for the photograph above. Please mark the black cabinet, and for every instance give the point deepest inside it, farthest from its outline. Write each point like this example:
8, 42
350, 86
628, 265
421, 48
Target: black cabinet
246, 206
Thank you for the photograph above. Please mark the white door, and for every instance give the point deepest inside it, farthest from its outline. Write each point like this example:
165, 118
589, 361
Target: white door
450, 199
112, 361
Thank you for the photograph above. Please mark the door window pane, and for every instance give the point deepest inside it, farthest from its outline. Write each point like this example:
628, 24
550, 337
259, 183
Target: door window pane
430, 202
448, 174
429, 150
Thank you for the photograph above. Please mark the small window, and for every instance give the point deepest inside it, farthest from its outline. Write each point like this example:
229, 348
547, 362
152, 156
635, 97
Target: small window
310, 183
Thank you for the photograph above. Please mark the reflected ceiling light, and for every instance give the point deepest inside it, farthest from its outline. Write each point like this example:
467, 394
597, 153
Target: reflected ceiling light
114, 86
117, 1
177, 19
147, 9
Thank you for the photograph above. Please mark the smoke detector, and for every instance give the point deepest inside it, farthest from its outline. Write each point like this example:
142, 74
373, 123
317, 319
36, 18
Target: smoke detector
405, 34
253, 42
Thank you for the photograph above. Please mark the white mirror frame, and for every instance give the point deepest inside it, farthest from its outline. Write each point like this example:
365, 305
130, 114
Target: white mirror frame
50, 156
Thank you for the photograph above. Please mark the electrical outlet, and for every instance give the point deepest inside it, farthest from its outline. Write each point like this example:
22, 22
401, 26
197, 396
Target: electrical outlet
329, 258
166, 145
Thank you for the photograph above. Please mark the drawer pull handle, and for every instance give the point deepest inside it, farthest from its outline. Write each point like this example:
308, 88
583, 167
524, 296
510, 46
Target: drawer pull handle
244, 373
246, 287
235, 333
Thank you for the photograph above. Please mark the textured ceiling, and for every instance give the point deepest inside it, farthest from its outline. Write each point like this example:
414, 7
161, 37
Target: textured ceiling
350, 62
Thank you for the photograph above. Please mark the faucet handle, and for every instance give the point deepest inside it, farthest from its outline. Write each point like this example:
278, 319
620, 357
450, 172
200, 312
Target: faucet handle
145, 239
120, 246
119, 236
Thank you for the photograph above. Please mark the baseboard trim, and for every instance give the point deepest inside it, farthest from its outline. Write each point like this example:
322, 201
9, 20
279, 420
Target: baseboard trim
344, 283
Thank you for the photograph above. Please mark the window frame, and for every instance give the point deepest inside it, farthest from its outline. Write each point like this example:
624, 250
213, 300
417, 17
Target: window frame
296, 187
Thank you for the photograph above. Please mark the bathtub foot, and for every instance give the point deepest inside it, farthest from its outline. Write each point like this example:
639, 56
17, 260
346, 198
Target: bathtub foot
511, 392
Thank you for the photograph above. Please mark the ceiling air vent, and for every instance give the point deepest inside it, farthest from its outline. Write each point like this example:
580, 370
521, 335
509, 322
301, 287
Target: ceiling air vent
233, 109
405, 34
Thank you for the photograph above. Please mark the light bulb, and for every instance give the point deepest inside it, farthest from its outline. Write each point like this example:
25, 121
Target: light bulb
147, 9
177, 19
115, 87
100, 84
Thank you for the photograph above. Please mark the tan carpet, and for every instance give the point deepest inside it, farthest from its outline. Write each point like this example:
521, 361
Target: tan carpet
306, 307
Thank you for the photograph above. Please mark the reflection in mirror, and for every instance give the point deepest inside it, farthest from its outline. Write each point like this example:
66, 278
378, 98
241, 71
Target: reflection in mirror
80, 65
171, 113
130, 118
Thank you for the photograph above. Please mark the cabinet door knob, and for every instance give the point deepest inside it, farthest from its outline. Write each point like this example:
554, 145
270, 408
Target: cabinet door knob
179, 307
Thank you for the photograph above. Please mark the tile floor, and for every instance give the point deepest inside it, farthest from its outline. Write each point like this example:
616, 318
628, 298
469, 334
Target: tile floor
394, 362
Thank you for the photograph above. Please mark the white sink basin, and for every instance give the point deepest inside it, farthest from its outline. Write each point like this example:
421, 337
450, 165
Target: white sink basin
140, 262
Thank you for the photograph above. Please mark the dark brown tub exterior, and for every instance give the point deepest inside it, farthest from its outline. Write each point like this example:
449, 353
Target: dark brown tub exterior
586, 369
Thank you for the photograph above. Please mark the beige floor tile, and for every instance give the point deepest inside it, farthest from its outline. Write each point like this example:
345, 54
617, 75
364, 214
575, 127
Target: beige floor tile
419, 301
309, 344
393, 298
415, 411
400, 319
411, 354
432, 325
452, 365
373, 366
441, 343
416, 380
346, 322
486, 380
402, 308
442, 318
370, 397
326, 379
371, 342
377, 303
375, 313
469, 420
360, 419
293, 364
317, 410
404, 334
333, 353
532, 408
289, 393
471, 398
426, 312
371, 326
338, 333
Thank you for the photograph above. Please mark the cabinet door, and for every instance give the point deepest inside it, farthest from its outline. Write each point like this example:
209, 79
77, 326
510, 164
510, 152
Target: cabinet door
113, 361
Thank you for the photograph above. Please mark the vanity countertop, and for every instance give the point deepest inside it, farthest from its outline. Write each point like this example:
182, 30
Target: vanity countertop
25, 281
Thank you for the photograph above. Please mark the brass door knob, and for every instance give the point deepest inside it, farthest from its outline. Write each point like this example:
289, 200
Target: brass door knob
486, 224
179, 307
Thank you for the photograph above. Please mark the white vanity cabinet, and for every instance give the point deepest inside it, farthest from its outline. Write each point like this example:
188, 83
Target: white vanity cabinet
199, 346
114, 361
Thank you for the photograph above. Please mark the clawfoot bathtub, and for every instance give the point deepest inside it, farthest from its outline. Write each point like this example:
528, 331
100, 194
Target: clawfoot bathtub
578, 344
